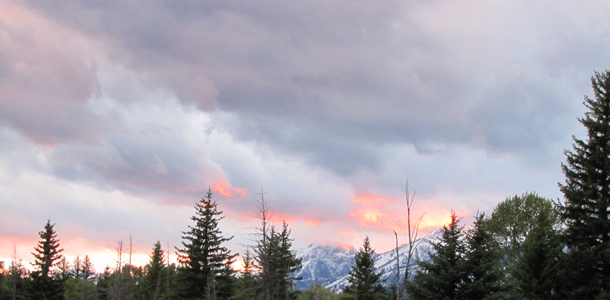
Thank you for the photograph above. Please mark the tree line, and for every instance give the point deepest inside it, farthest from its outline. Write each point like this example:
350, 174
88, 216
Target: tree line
529, 247
204, 269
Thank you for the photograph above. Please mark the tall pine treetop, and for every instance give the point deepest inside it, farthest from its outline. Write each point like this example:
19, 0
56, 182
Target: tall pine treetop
47, 253
47, 280
364, 281
204, 260
586, 206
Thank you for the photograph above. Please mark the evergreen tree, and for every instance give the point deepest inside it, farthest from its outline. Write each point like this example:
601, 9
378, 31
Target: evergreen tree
246, 285
204, 261
16, 281
277, 263
153, 283
443, 277
364, 282
586, 209
47, 281
274, 259
76, 267
483, 268
87, 271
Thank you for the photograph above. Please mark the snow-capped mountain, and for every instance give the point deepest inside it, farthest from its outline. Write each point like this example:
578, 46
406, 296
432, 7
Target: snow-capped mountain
329, 266
323, 264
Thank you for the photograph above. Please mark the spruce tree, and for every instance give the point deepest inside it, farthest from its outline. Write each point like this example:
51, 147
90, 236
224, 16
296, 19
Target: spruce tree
246, 286
483, 268
443, 277
274, 258
364, 282
47, 281
204, 260
586, 206
153, 283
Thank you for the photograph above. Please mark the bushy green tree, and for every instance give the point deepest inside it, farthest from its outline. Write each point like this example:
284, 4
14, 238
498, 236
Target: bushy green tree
534, 275
364, 281
514, 218
586, 206
205, 270
80, 289
318, 292
443, 277
46, 278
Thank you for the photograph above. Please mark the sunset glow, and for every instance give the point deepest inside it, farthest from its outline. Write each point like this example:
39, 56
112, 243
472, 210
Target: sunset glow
388, 214
116, 120
224, 188
312, 222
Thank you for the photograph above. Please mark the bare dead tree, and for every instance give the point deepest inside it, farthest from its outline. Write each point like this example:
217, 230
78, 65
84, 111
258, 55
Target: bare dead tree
119, 251
397, 266
412, 230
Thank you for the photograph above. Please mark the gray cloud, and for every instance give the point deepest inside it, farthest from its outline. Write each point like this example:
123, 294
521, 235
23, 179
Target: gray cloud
315, 101
45, 81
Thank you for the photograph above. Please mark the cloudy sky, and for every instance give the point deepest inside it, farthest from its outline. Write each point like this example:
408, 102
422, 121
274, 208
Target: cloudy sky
117, 116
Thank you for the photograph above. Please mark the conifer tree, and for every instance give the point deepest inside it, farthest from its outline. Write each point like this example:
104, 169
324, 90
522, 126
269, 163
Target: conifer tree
483, 269
47, 281
17, 276
204, 260
246, 286
87, 270
153, 283
364, 282
586, 206
274, 258
443, 277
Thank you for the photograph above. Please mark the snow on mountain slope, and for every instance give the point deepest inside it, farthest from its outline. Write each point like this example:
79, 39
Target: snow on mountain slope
323, 264
329, 266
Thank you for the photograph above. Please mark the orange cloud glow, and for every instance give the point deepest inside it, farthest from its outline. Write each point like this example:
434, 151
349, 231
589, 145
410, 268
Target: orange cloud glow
278, 219
345, 246
367, 199
346, 233
312, 222
385, 213
224, 188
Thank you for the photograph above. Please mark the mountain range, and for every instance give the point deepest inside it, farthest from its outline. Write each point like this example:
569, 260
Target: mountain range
329, 266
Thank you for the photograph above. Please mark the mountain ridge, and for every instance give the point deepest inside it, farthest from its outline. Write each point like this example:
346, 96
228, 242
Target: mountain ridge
329, 266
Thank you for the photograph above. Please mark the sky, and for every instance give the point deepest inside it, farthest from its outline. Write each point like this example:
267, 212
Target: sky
117, 116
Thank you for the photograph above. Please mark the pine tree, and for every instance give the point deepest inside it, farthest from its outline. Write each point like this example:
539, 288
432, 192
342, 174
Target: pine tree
246, 286
483, 269
47, 281
153, 283
443, 277
204, 261
364, 282
586, 207
17, 278
274, 258
87, 270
